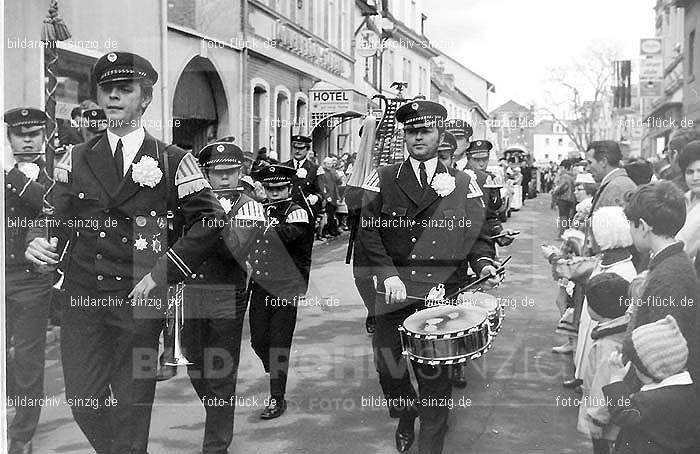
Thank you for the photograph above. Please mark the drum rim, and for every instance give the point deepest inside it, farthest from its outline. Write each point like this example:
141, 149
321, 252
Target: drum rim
445, 335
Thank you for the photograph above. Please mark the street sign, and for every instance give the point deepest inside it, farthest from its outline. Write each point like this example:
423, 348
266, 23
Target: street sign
368, 43
650, 46
651, 67
650, 88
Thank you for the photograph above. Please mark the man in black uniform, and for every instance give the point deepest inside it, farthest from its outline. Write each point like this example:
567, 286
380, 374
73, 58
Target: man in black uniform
278, 282
125, 198
410, 258
305, 188
447, 149
216, 300
27, 292
477, 161
462, 131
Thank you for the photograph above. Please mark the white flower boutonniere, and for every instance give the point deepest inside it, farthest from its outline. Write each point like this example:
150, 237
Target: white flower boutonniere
146, 172
301, 172
29, 169
443, 184
226, 204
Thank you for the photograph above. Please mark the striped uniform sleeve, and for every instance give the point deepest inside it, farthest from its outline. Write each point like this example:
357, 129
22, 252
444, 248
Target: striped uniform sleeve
188, 178
251, 211
371, 183
299, 216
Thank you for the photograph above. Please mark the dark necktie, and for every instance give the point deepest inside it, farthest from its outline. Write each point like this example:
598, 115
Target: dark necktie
298, 162
423, 176
119, 159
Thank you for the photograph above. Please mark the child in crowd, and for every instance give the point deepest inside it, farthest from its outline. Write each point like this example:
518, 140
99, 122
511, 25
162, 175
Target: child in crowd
662, 416
606, 294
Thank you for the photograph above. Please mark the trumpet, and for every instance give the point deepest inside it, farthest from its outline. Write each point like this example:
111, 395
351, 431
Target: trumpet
175, 320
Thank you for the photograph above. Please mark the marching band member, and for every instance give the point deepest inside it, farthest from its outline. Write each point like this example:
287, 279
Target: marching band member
27, 292
410, 258
127, 197
216, 299
280, 260
462, 132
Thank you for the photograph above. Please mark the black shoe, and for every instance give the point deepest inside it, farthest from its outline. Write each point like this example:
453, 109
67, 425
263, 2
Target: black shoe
404, 436
19, 447
572, 383
274, 409
370, 325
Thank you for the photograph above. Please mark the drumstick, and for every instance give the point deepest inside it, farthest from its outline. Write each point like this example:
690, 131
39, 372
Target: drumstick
501, 235
499, 270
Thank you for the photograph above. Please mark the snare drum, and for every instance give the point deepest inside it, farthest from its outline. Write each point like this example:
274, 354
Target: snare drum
443, 335
496, 311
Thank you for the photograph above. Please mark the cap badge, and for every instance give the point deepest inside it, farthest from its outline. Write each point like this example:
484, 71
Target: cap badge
220, 148
414, 106
93, 113
25, 112
478, 143
111, 57
272, 169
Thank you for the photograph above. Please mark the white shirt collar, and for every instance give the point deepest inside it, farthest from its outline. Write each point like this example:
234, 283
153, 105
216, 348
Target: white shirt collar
461, 163
682, 378
131, 144
298, 164
430, 167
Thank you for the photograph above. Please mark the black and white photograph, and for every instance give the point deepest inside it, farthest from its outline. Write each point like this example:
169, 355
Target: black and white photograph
350, 227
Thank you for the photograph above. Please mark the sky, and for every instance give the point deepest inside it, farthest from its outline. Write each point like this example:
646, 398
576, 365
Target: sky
515, 43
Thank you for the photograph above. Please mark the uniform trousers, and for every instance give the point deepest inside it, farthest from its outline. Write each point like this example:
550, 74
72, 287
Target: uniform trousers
434, 385
27, 300
273, 317
212, 342
110, 360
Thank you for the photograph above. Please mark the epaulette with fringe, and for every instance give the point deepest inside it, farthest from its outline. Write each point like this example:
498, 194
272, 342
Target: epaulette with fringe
251, 211
371, 183
298, 216
188, 178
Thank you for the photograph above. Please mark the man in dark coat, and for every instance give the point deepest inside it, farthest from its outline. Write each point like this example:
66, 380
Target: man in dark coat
409, 255
124, 200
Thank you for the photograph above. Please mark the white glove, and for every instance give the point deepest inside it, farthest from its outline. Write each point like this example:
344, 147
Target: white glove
312, 199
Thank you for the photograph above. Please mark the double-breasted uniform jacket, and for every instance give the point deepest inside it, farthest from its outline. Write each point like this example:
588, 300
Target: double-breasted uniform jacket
303, 187
491, 197
281, 254
121, 230
225, 260
23, 207
417, 235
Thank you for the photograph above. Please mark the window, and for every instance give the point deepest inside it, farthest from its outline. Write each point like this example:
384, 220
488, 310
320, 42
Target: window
407, 71
300, 116
421, 81
282, 126
259, 114
546, 156
691, 53
388, 62
546, 141
560, 142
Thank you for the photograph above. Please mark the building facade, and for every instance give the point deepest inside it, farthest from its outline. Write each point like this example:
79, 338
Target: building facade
550, 142
512, 125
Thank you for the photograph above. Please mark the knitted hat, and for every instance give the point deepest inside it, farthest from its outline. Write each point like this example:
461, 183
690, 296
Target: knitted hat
605, 294
610, 228
657, 349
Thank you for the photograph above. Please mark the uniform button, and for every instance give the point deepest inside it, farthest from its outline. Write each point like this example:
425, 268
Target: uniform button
256, 251
434, 242
100, 277
257, 261
201, 276
14, 189
98, 256
258, 241
432, 257
413, 272
257, 272
264, 252
266, 273
413, 256
153, 213
430, 275
267, 242
103, 234
125, 239
81, 195
413, 223
118, 278
106, 210
393, 213
413, 240
12, 209
9, 186
193, 275
12, 256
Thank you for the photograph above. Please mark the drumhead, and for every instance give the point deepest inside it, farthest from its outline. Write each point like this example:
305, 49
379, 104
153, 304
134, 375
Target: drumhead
445, 319
479, 299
